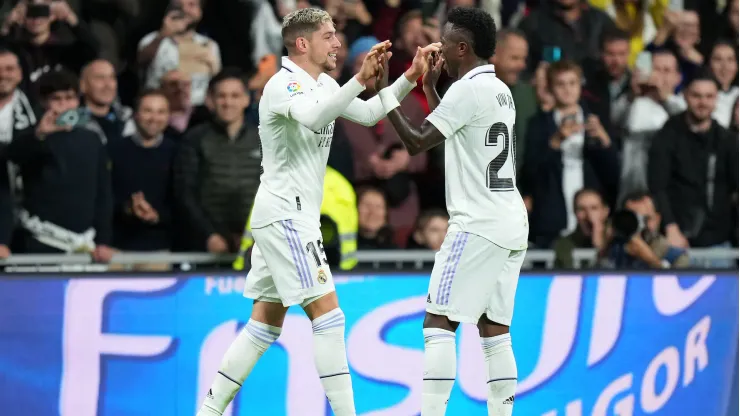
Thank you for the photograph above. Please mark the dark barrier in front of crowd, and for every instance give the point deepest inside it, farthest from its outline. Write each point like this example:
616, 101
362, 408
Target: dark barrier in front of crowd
586, 344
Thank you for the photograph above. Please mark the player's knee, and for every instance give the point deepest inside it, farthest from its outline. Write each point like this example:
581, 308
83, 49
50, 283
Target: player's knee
320, 305
330, 322
488, 328
440, 322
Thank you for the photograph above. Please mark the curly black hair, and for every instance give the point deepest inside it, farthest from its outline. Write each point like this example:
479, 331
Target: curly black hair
478, 26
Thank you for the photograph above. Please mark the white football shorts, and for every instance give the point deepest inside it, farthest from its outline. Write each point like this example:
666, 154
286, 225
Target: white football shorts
473, 276
288, 264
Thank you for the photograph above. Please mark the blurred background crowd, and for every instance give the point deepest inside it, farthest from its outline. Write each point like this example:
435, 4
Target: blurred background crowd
131, 125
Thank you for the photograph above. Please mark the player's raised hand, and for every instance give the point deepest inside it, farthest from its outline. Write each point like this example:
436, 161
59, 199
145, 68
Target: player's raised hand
419, 64
381, 81
435, 63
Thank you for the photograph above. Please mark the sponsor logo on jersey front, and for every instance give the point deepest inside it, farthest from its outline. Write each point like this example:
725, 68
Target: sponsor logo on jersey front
325, 135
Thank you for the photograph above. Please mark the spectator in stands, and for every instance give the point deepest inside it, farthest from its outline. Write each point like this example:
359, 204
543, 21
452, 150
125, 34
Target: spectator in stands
16, 117
569, 149
142, 167
47, 35
99, 88
591, 214
412, 33
218, 168
655, 103
510, 61
372, 215
176, 86
178, 46
67, 204
723, 65
379, 157
571, 25
639, 20
608, 90
430, 230
641, 203
680, 34
734, 119
693, 171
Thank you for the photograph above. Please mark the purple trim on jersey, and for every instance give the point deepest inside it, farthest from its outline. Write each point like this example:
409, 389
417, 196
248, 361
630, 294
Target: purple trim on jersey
291, 244
287, 69
448, 286
483, 72
303, 257
448, 264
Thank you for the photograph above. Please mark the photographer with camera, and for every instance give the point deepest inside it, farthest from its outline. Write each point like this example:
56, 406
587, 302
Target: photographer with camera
47, 36
634, 240
67, 202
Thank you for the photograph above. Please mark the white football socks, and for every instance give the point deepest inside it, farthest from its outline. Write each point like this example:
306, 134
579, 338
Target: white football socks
330, 357
236, 365
440, 369
502, 374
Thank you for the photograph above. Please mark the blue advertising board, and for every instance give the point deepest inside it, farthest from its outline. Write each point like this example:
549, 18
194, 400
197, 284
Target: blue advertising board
599, 345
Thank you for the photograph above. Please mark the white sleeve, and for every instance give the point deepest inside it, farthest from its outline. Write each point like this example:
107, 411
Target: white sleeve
370, 112
146, 40
456, 109
287, 100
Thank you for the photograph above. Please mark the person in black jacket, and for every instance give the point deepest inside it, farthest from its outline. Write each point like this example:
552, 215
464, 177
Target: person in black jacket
693, 171
142, 179
67, 203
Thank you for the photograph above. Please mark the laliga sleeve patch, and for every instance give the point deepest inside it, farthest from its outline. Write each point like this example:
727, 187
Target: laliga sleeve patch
294, 88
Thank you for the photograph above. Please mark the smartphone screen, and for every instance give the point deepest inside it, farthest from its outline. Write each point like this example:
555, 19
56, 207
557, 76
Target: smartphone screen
551, 54
644, 65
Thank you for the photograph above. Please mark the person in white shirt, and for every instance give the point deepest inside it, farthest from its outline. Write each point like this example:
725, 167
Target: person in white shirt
723, 65
476, 271
178, 46
297, 113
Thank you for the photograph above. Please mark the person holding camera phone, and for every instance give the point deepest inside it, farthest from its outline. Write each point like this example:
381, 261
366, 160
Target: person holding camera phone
178, 46
567, 149
67, 202
47, 36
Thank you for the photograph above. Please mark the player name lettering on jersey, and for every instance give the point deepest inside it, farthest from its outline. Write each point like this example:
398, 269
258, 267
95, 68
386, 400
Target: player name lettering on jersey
505, 100
325, 135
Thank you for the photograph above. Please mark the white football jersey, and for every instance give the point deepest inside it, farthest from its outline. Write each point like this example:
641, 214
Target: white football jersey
477, 117
297, 114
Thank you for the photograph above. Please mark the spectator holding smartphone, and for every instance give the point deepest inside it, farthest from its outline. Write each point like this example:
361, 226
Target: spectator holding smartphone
67, 203
47, 36
178, 46
568, 149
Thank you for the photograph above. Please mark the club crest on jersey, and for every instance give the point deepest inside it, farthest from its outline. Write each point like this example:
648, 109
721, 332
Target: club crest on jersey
321, 277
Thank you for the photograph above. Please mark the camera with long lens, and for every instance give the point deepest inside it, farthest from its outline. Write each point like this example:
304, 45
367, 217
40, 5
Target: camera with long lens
625, 225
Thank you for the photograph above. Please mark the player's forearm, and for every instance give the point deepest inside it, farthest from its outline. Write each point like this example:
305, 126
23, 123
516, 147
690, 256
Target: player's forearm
409, 135
320, 114
432, 96
370, 112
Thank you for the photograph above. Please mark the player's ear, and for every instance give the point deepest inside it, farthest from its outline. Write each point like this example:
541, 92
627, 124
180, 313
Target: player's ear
301, 43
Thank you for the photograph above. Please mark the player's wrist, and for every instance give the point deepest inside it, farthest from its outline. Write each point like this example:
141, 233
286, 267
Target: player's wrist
360, 79
388, 100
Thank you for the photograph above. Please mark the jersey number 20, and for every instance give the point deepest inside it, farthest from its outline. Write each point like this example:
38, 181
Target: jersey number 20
494, 182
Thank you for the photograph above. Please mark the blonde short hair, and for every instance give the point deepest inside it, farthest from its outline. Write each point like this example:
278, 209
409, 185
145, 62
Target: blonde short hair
301, 23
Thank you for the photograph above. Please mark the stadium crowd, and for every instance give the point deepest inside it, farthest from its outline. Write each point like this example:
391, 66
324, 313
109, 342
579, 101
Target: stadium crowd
131, 125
